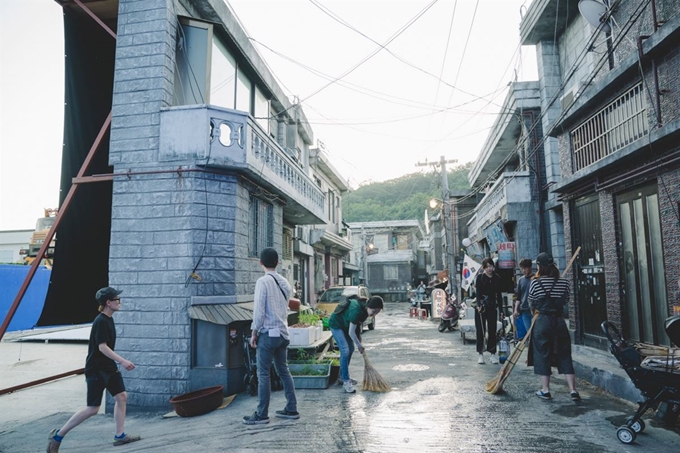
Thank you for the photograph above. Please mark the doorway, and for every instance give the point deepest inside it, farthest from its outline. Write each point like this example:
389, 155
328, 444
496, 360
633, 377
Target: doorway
642, 266
592, 301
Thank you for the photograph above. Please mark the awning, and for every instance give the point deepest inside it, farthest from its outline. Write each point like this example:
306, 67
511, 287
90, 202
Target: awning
222, 313
350, 267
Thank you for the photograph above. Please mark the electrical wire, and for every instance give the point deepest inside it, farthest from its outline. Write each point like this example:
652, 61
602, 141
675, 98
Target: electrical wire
446, 51
366, 58
462, 57
384, 46
629, 23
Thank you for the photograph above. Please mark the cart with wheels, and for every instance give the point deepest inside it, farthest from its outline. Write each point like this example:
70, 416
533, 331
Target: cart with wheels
657, 384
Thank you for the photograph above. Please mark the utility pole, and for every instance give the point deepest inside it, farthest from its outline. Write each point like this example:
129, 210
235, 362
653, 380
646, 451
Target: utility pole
448, 224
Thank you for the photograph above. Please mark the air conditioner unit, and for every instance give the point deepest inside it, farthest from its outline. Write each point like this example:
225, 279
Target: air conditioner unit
302, 233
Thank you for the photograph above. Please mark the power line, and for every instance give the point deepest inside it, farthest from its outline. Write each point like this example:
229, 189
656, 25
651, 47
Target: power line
367, 57
462, 57
629, 23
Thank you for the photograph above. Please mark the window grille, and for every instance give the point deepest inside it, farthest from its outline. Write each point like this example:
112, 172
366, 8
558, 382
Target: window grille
261, 232
287, 248
619, 124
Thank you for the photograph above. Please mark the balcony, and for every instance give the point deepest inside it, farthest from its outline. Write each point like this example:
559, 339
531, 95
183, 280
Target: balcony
509, 189
617, 125
231, 140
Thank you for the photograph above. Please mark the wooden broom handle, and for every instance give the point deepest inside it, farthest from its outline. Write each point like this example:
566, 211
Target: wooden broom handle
571, 261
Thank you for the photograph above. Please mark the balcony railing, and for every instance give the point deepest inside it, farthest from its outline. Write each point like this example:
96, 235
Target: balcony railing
230, 139
510, 187
619, 124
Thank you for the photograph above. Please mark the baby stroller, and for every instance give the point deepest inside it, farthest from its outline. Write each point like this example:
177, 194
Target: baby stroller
657, 385
250, 379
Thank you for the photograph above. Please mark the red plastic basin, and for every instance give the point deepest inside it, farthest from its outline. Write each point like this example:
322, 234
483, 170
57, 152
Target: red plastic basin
198, 402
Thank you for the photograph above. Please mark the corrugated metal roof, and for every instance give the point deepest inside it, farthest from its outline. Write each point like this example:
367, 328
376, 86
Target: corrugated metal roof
221, 313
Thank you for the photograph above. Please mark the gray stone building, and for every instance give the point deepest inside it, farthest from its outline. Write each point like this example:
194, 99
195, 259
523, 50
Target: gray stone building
610, 94
509, 222
208, 163
387, 255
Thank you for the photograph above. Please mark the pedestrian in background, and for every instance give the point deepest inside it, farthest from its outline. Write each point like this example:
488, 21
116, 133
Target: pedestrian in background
345, 324
550, 341
488, 300
101, 373
270, 338
521, 310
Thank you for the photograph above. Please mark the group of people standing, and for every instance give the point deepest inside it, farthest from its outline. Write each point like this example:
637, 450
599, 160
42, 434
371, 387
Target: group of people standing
544, 295
540, 298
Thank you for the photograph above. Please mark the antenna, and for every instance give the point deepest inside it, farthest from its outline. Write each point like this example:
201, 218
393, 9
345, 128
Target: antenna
595, 13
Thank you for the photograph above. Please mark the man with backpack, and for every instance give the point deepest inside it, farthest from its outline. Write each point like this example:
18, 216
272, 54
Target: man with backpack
345, 325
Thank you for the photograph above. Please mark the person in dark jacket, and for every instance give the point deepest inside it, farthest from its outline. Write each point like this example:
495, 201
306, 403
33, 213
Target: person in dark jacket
550, 341
488, 289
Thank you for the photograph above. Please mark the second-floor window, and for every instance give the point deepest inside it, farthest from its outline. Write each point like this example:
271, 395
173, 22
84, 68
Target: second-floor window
261, 228
206, 72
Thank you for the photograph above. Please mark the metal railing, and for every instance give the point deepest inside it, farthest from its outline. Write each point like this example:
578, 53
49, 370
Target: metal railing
617, 125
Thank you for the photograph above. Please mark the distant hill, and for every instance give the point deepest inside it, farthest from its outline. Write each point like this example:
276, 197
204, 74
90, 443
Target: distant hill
404, 198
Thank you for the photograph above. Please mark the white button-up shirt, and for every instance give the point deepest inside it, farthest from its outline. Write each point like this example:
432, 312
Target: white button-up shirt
270, 310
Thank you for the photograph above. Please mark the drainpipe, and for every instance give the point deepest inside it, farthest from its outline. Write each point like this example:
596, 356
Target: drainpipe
655, 75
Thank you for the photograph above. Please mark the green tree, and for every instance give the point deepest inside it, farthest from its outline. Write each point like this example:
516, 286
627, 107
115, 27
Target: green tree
403, 198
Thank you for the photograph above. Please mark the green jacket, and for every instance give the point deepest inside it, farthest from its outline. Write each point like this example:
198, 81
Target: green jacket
355, 313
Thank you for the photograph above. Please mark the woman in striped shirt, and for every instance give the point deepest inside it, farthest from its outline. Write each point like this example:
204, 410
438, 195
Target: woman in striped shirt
550, 339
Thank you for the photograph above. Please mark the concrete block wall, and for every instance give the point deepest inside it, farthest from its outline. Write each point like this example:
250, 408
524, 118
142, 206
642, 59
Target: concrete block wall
669, 83
164, 223
527, 239
550, 79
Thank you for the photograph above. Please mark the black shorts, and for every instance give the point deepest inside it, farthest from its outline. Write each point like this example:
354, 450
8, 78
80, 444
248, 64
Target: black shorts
97, 383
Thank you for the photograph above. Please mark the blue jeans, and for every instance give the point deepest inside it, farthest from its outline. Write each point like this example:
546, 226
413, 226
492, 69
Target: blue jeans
346, 347
273, 349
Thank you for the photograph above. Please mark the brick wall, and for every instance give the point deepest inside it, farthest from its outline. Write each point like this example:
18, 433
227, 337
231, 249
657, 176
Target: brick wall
669, 206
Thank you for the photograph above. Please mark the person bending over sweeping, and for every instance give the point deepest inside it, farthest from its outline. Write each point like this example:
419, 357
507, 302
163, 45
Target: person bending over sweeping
345, 325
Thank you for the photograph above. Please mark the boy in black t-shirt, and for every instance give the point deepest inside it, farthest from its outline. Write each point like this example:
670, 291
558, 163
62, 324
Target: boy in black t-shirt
101, 373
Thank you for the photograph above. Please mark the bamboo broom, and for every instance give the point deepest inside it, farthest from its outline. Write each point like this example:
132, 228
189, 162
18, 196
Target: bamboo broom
373, 382
495, 385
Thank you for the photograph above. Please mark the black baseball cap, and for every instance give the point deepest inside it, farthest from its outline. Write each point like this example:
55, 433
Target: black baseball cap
545, 259
107, 293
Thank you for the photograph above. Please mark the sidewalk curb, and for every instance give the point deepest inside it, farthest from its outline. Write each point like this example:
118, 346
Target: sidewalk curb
602, 370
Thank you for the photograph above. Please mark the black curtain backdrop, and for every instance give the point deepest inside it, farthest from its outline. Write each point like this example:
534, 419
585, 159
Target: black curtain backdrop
82, 245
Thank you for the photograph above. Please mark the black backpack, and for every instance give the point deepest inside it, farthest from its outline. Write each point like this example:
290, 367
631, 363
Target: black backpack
342, 306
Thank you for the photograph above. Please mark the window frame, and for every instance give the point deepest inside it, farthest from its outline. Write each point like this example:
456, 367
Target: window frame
256, 208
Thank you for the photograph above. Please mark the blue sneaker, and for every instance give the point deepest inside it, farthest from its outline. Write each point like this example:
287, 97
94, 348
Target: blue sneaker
543, 395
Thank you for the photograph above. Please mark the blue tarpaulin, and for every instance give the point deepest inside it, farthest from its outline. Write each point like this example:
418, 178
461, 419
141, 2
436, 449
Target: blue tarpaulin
31, 306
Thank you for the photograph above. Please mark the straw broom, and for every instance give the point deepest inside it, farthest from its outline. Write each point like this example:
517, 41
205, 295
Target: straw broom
495, 385
373, 382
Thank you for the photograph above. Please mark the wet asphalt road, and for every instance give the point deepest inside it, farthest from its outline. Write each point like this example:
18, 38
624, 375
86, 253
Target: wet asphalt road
438, 404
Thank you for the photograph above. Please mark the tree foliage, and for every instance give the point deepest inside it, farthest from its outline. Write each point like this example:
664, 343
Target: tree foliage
403, 198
